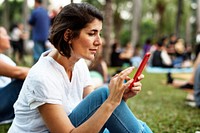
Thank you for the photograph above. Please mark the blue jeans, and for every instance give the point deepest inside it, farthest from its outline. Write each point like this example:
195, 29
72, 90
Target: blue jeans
122, 119
197, 86
8, 96
38, 49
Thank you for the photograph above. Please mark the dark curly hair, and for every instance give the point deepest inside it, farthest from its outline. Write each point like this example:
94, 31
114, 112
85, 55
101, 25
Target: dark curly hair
73, 17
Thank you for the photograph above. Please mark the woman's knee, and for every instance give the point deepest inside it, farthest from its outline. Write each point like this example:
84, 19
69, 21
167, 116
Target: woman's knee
99, 95
104, 91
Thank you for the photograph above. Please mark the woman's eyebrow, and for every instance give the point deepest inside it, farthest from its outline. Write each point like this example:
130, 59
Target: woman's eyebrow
95, 30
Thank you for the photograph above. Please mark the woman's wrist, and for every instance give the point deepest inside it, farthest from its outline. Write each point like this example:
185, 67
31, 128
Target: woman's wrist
111, 104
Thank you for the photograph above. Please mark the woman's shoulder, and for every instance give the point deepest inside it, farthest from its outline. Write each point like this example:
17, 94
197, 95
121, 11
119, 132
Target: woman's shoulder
4, 58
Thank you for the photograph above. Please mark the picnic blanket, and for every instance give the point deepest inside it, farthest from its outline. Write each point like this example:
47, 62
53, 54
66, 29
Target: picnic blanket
167, 70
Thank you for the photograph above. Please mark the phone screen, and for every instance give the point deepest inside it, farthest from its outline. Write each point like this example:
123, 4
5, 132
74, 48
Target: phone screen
140, 69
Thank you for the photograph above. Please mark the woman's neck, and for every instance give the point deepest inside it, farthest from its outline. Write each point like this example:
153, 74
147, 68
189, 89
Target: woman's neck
67, 63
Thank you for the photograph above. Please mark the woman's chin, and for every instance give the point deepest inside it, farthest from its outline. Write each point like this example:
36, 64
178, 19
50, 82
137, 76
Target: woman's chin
91, 58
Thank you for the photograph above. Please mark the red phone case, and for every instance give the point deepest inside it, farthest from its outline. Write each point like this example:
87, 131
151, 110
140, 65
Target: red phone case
140, 69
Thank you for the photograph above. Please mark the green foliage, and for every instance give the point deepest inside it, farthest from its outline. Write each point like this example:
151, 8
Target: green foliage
125, 34
147, 30
95, 3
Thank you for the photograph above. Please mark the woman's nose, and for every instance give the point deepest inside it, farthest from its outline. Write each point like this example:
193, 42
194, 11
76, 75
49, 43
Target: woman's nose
98, 40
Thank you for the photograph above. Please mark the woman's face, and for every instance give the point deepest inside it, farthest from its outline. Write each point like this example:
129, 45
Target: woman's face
86, 45
4, 40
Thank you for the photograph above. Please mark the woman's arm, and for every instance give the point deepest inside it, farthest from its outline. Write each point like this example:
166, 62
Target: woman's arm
57, 120
13, 71
87, 90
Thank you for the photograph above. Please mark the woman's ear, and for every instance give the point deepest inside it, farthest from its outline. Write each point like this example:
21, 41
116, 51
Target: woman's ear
67, 35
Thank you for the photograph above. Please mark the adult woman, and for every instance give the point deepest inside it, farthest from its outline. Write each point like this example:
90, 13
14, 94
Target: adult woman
52, 95
11, 79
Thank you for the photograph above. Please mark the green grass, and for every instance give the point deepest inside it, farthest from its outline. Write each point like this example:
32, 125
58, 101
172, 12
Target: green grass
161, 106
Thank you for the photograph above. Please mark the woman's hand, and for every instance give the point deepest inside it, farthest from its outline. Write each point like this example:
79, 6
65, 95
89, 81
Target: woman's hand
117, 86
137, 86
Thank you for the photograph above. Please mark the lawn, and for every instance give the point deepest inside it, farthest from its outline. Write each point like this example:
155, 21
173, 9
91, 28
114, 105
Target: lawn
161, 106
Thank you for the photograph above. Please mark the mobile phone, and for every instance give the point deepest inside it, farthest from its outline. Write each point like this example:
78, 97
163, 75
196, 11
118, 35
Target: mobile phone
140, 69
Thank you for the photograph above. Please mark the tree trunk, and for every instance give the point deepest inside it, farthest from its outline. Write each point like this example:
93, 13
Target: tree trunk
137, 10
25, 15
6, 14
198, 16
108, 23
188, 32
178, 19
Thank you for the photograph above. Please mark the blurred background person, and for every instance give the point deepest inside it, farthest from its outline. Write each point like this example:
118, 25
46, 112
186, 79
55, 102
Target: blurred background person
147, 45
127, 54
17, 41
11, 79
160, 57
40, 23
115, 59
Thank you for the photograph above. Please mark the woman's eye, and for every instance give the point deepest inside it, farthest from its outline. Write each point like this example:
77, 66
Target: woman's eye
91, 34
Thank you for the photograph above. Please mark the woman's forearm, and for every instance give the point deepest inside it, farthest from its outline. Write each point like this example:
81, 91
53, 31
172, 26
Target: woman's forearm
97, 120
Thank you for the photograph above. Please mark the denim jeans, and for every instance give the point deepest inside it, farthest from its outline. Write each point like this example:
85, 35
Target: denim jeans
122, 119
38, 49
8, 96
197, 86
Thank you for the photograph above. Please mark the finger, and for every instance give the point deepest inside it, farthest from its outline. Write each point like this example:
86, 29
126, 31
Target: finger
136, 89
115, 75
127, 78
123, 74
137, 84
126, 72
140, 77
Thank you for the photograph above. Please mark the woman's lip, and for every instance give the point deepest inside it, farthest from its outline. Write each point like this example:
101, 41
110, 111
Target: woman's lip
93, 50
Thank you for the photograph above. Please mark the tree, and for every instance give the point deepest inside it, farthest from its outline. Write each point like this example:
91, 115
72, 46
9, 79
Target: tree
198, 16
6, 14
107, 32
179, 14
137, 10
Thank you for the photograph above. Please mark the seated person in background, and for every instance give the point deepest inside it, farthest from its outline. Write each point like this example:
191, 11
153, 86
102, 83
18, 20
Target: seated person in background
137, 56
193, 97
11, 79
114, 58
171, 45
127, 54
147, 46
190, 83
181, 58
160, 57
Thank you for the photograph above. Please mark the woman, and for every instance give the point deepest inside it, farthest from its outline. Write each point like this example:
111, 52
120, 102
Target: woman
11, 79
57, 93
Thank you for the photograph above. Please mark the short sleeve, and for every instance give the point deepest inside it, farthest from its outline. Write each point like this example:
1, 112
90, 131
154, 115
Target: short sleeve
40, 91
